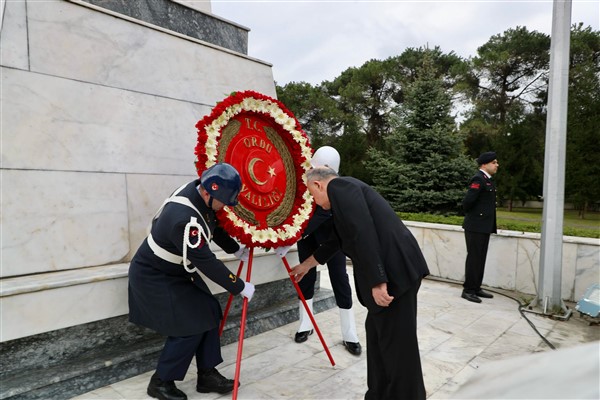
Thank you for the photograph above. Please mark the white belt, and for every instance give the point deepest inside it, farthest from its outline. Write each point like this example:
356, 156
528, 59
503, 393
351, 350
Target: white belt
164, 254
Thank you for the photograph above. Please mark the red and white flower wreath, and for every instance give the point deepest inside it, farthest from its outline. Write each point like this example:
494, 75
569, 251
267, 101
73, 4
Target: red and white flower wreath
209, 133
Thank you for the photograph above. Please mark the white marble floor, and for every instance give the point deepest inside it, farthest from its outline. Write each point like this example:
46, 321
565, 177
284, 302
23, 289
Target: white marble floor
456, 337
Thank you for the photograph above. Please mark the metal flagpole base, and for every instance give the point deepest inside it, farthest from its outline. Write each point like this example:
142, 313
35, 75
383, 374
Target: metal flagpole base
535, 308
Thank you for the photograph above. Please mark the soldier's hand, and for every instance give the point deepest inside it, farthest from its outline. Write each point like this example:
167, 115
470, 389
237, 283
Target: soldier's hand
242, 253
248, 291
282, 251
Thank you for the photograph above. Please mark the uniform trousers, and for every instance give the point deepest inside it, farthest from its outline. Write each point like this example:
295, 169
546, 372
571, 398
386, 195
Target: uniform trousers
393, 360
178, 352
477, 247
337, 274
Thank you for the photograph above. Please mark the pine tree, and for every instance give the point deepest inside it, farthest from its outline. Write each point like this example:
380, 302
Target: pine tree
423, 168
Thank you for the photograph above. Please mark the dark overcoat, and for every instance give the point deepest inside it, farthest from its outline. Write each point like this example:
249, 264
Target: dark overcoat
479, 205
165, 297
369, 232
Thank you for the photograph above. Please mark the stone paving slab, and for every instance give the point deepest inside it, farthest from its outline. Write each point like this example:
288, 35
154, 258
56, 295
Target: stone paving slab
456, 338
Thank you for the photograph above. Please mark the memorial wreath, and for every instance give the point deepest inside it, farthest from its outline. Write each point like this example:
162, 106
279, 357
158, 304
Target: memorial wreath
263, 140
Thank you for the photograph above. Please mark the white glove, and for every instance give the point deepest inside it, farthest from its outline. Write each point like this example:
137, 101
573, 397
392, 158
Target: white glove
242, 253
282, 251
248, 291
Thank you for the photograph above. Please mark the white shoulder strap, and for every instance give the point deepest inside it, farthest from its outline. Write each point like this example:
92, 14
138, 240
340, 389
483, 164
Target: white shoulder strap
203, 232
181, 200
168, 199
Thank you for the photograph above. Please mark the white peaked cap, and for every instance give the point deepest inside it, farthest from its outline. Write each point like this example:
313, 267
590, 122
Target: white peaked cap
326, 156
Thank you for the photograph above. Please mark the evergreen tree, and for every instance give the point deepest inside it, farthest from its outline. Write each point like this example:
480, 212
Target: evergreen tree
422, 168
317, 113
583, 129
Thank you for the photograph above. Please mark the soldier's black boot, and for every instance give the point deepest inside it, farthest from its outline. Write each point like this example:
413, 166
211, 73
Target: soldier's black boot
164, 390
210, 380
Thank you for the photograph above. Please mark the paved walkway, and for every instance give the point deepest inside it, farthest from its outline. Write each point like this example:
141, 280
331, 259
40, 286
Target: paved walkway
456, 337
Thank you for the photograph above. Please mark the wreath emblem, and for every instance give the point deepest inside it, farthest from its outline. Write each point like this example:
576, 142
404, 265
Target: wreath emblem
263, 140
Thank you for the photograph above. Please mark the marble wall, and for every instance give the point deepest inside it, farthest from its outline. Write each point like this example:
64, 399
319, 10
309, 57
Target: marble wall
98, 127
513, 259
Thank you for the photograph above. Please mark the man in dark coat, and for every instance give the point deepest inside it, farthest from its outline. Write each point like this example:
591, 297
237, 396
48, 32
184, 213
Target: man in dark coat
479, 205
388, 269
166, 291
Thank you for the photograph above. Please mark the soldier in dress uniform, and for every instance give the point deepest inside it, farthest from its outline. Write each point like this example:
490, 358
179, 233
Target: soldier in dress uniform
318, 230
388, 269
166, 291
479, 205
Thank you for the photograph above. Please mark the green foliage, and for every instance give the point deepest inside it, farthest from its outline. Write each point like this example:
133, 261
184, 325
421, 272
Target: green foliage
583, 129
520, 158
511, 72
431, 218
422, 167
394, 121
525, 221
366, 96
508, 114
317, 113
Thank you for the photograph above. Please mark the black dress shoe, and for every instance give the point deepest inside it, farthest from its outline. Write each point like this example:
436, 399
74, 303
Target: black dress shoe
302, 336
353, 348
485, 295
471, 297
164, 390
210, 380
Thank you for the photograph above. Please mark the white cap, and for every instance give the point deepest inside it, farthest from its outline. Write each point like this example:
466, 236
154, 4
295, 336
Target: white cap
326, 156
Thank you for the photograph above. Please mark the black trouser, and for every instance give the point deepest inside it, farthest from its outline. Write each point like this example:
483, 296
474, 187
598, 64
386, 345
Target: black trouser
477, 247
178, 352
393, 361
337, 274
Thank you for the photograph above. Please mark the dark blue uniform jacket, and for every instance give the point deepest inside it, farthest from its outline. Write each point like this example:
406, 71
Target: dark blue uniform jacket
479, 205
165, 297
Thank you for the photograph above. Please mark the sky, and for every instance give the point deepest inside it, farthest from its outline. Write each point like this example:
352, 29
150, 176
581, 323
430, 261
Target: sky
316, 40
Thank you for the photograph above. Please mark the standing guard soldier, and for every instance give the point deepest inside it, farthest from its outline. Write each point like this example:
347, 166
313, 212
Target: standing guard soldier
166, 291
479, 205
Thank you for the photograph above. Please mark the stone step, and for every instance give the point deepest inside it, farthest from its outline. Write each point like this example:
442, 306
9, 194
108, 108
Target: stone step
72, 361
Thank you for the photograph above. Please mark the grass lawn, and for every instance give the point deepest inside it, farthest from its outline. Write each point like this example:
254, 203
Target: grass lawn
572, 224
523, 220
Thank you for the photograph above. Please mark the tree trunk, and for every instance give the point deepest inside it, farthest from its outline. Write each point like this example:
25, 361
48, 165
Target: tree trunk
583, 209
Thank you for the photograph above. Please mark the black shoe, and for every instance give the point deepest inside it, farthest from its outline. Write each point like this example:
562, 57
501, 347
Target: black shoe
302, 336
471, 297
485, 295
164, 390
353, 348
212, 381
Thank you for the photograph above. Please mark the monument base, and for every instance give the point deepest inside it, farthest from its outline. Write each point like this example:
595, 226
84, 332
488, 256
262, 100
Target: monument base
71, 361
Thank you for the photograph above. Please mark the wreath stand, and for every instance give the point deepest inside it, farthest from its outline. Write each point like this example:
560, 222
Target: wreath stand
260, 130
245, 311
